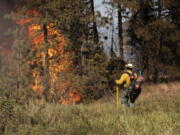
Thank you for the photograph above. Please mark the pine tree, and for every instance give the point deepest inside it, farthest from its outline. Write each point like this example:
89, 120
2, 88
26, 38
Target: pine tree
76, 21
15, 72
152, 31
150, 27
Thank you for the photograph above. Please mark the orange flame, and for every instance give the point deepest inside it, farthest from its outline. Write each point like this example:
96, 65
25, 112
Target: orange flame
34, 31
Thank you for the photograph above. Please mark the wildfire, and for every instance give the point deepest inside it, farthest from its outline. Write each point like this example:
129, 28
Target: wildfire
57, 46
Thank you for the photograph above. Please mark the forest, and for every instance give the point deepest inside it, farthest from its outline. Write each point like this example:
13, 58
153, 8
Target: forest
59, 60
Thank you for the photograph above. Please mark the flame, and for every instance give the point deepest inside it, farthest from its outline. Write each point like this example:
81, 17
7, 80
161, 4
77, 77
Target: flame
34, 31
72, 97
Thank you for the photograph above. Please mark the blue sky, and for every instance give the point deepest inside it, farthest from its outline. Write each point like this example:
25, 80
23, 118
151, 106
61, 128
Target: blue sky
99, 6
103, 31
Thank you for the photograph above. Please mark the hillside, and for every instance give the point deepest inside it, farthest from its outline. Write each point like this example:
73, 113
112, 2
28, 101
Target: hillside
157, 112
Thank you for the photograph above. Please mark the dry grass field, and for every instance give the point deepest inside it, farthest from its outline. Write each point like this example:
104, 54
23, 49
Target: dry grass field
157, 112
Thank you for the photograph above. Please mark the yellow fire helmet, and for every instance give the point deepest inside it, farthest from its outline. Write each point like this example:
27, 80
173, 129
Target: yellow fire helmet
129, 65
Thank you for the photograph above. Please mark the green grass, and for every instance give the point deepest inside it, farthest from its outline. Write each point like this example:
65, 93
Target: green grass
152, 115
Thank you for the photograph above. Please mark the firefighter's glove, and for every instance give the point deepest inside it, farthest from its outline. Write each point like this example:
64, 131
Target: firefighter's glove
116, 81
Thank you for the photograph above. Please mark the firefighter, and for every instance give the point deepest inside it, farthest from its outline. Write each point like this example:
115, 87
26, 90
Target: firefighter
130, 88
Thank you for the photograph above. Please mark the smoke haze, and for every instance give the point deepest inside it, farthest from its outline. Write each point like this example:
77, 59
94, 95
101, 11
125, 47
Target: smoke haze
6, 6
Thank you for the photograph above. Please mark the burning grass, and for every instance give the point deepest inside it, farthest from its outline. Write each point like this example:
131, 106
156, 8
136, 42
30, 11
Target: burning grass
154, 114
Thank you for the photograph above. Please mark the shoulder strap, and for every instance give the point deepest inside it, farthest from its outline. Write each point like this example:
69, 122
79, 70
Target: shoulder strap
126, 72
131, 75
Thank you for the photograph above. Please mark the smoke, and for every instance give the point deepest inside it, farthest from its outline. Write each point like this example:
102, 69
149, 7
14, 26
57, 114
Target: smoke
6, 7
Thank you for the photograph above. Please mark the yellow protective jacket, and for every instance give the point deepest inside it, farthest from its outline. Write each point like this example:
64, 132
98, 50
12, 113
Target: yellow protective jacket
125, 79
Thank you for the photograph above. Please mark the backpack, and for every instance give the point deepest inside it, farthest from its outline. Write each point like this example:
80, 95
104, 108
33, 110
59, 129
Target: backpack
134, 85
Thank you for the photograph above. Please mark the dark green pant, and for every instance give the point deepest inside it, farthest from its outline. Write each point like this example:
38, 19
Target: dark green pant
129, 96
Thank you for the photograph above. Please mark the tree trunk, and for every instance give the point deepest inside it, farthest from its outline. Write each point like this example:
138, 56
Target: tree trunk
158, 46
120, 31
46, 65
112, 54
96, 37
